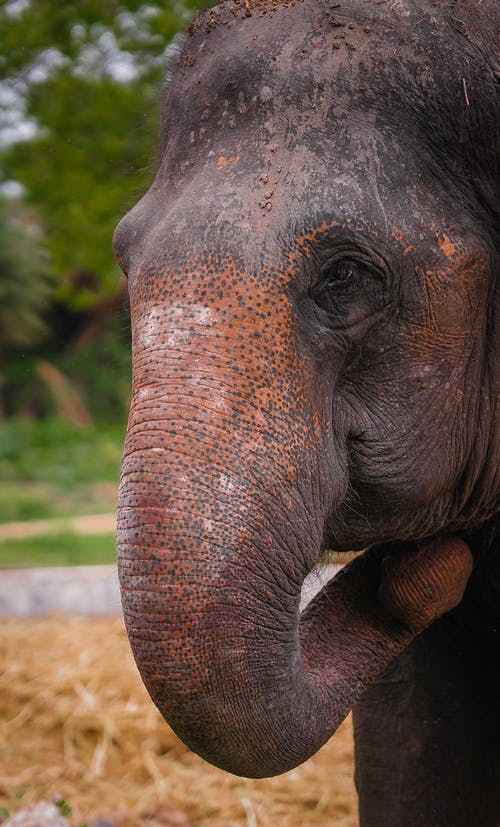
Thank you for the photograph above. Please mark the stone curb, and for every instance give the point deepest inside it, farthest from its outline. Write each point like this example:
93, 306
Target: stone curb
89, 591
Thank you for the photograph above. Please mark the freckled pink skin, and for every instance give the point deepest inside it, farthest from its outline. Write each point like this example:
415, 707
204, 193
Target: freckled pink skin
210, 587
251, 435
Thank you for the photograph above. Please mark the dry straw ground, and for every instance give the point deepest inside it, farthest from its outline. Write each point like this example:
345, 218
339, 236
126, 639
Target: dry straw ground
75, 721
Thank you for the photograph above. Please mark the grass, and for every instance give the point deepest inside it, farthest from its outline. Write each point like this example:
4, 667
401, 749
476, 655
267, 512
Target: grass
52, 468
64, 549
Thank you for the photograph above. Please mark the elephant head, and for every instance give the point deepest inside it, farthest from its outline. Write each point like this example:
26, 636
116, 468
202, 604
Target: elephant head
311, 278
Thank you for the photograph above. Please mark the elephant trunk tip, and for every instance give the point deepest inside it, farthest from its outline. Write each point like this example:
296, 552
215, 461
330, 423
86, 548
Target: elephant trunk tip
425, 584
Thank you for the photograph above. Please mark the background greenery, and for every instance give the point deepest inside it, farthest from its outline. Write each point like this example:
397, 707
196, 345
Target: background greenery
80, 89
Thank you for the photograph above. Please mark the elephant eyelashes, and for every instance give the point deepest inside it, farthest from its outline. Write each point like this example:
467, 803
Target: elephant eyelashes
337, 279
351, 293
340, 274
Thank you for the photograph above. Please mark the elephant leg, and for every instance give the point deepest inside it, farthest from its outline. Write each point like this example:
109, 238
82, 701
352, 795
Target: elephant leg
427, 734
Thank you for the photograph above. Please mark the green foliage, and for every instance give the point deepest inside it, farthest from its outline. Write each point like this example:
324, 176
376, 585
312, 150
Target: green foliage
85, 77
139, 27
50, 469
65, 549
31, 501
52, 500
83, 180
59, 452
88, 75
25, 283
101, 371
64, 808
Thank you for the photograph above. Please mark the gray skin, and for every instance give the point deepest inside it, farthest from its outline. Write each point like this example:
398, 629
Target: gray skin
314, 303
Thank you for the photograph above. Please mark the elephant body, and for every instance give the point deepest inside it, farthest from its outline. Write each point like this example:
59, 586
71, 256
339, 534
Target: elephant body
427, 731
314, 302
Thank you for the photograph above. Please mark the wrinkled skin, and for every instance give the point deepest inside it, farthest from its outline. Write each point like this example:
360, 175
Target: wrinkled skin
314, 305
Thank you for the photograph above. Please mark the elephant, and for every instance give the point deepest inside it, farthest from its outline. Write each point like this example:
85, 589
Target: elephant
315, 315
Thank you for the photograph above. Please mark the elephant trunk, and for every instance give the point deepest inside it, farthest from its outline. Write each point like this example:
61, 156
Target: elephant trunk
221, 517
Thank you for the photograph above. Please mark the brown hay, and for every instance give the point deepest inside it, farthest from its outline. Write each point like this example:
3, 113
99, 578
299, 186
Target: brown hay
77, 722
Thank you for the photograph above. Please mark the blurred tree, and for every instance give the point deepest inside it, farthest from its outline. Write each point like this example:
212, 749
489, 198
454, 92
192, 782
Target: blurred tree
25, 283
79, 85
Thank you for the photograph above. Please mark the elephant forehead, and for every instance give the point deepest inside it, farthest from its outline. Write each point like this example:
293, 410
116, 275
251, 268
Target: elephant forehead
272, 81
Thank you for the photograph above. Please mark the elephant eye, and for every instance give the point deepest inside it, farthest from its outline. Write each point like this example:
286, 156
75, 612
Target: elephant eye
337, 279
343, 273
